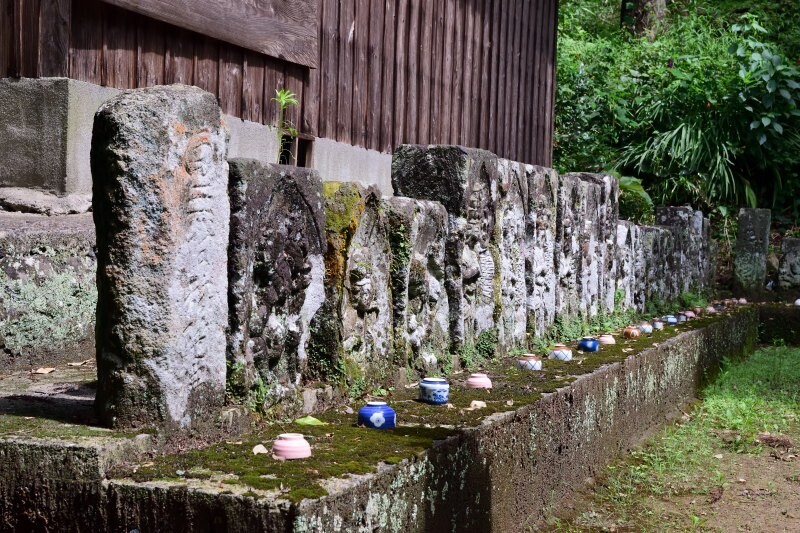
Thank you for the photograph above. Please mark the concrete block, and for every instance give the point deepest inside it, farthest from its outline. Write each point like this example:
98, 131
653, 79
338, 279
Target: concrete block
752, 247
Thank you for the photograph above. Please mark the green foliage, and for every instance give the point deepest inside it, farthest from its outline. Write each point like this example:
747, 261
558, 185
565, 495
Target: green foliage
634, 202
484, 349
706, 114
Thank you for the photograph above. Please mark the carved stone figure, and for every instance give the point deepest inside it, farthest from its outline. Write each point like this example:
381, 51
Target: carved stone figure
162, 212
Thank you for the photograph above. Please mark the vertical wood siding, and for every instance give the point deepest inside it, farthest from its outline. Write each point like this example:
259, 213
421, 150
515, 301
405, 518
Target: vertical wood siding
472, 72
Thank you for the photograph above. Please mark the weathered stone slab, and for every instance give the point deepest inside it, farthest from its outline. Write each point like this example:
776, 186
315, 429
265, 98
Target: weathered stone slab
276, 271
162, 214
690, 255
355, 323
510, 238
47, 290
628, 248
656, 246
752, 246
540, 248
465, 181
600, 227
421, 314
789, 271
571, 217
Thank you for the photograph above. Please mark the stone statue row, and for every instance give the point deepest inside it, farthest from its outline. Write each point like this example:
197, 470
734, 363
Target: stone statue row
216, 273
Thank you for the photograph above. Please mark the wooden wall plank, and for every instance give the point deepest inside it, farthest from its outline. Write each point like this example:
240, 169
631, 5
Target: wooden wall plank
273, 80
206, 64
6, 37
27, 34
387, 77
179, 58
252, 86
312, 91
150, 49
372, 131
54, 32
291, 26
294, 82
447, 72
412, 82
344, 100
86, 40
401, 72
486, 68
527, 93
467, 102
494, 79
358, 135
437, 75
477, 75
459, 125
515, 108
425, 77
231, 60
119, 51
329, 65
551, 23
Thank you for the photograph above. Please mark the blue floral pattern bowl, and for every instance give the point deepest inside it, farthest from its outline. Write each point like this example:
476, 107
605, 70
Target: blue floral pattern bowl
377, 415
435, 391
529, 362
670, 320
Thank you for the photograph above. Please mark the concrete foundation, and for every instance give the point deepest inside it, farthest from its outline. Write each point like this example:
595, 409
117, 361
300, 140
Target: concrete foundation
503, 474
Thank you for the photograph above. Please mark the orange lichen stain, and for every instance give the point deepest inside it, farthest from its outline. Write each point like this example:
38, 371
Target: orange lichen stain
179, 128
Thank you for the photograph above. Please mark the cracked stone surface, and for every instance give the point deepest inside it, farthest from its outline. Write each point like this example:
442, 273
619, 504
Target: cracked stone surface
540, 248
418, 236
162, 213
276, 270
789, 270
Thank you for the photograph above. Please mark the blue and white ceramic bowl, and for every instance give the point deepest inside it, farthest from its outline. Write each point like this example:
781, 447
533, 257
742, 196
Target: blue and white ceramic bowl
377, 415
529, 362
645, 328
434, 390
588, 344
682, 317
671, 320
561, 352
658, 324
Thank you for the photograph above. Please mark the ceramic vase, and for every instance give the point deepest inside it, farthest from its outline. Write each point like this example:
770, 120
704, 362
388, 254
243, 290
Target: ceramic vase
589, 344
710, 310
797, 302
682, 318
529, 362
478, 381
606, 339
658, 324
670, 320
646, 328
631, 332
377, 415
561, 353
435, 391
698, 311
742, 301
291, 446
690, 314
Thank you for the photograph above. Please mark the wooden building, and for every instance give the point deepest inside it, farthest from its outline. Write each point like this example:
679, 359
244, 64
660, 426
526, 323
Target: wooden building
370, 73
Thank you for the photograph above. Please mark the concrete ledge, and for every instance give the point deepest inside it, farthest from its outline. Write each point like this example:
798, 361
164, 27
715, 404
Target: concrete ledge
503, 475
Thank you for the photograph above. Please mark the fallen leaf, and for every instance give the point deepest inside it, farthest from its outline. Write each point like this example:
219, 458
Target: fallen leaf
80, 363
310, 421
44, 370
348, 410
510, 403
259, 448
450, 406
742, 480
718, 456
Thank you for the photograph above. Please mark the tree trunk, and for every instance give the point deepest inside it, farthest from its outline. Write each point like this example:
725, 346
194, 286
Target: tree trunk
643, 17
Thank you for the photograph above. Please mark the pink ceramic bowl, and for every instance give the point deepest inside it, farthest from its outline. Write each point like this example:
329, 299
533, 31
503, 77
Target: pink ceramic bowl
742, 301
291, 446
606, 339
690, 314
478, 381
711, 310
